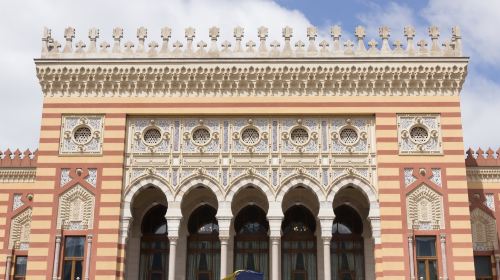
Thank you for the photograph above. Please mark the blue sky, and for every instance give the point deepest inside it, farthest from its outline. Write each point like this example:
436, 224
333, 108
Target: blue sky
21, 23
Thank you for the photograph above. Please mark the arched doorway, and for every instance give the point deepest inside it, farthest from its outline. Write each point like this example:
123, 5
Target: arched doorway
298, 249
251, 242
203, 246
154, 244
347, 252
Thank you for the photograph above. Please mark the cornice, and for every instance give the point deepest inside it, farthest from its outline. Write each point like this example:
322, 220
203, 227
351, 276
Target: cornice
483, 174
17, 175
147, 77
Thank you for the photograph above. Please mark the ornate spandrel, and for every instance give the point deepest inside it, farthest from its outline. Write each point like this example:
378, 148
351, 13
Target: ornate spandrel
273, 149
81, 135
419, 134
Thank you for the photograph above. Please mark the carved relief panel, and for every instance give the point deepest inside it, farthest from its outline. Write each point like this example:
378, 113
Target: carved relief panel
20, 228
484, 233
76, 209
81, 135
272, 148
424, 207
419, 134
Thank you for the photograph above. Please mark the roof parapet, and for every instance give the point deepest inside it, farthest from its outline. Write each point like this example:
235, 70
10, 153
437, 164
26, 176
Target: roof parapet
482, 158
18, 159
51, 48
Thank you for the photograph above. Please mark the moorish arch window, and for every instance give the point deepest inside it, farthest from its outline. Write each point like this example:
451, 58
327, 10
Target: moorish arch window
203, 249
251, 243
346, 249
298, 249
154, 245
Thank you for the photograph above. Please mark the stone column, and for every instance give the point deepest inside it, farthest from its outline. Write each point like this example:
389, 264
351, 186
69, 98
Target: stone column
223, 256
171, 257
57, 252
8, 265
89, 253
443, 256
173, 217
497, 265
410, 253
326, 258
275, 251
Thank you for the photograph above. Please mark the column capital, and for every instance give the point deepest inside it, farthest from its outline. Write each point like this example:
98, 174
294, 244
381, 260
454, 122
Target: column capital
442, 236
326, 239
224, 239
173, 239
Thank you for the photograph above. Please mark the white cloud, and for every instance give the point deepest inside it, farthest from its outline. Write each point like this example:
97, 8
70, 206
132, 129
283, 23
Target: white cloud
21, 24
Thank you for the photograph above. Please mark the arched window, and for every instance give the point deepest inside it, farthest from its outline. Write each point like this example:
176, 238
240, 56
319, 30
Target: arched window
251, 243
203, 250
298, 249
347, 255
154, 245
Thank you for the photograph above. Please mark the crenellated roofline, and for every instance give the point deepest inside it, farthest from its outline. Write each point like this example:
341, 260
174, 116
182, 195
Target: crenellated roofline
239, 47
17, 166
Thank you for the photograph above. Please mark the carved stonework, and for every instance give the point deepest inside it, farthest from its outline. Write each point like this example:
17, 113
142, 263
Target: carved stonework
424, 207
17, 203
81, 134
20, 227
76, 209
483, 231
274, 149
419, 134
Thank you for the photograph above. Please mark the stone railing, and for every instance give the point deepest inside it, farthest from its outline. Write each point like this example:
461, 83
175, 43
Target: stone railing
18, 167
287, 48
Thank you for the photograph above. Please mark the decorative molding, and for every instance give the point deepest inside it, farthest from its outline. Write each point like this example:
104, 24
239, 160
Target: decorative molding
251, 77
17, 175
76, 209
481, 158
326, 48
419, 134
273, 159
484, 234
20, 228
424, 207
17, 159
483, 174
89, 143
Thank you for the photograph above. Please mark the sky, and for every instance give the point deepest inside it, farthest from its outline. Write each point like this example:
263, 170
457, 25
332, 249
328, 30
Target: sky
22, 21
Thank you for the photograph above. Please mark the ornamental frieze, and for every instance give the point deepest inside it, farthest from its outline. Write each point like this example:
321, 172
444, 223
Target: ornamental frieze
274, 149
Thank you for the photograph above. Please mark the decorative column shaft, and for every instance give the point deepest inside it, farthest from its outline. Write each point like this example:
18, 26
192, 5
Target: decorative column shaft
275, 240
410, 253
57, 251
87, 260
8, 265
443, 256
171, 257
497, 264
223, 256
326, 258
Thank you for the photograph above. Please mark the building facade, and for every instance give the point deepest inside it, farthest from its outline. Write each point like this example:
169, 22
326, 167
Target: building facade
301, 160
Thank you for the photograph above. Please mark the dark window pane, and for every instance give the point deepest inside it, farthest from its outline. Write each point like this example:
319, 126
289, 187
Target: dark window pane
78, 270
421, 269
67, 270
433, 273
482, 265
74, 246
20, 269
426, 246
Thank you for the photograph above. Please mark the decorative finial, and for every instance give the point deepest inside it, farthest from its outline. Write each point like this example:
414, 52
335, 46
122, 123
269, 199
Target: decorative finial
312, 33
166, 33
142, 34
398, 47
80, 45
262, 32
69, 34
46, 37
422, 47
434, 34
373, 47
409, 32
213, 32
348, 47
250, 46
336, 32
323, 47
93, 35
117, 36
189, 33
360, 34
456, 38
238, 34
226, 45
287, 34
385, 33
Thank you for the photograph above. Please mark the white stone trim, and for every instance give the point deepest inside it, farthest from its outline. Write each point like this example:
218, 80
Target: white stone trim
196, 181
362, 185
253, 180
303, 180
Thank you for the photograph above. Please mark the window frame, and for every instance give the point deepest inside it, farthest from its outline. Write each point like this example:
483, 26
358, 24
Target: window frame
15, 276
427, 259
489, 256
72, 259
